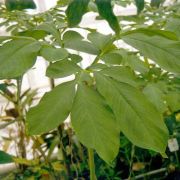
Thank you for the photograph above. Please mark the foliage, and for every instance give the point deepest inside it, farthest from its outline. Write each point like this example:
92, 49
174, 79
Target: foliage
19, 5
124, 93
5, 158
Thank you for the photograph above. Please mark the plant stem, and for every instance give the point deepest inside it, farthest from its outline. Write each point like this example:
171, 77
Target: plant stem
149, 173
96, 60
64, 156
131, 161
91, 164
52, 84
51, 81
21, 124
177, 159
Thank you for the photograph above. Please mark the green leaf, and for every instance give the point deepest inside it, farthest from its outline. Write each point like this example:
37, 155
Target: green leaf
53, 54
136, 64
36, 34
62, 69
97, 66
86, 78
52, 110
156, 96
137, 118
106, 12
4, 38
17, 56
73, 40
112, 57
156, 3
68, 36
139, 5
173, 25
173, 101
75, 11
3, 87
19, 4
122, 56
5, 158
50, 27
163, 51
100, 41
63, 3
75, 58
94, 123
28, 4
82, 46
122, 74
154, 32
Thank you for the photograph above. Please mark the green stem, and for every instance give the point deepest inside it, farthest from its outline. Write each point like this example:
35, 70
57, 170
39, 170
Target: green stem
146, 61
52, 84
21, 124
19, 83
96, 60
142, 176
64, 156
91, 164
177, 159
131, 161
51, 81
